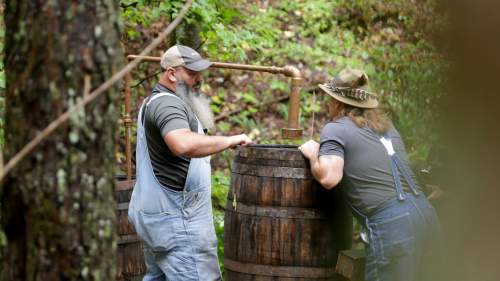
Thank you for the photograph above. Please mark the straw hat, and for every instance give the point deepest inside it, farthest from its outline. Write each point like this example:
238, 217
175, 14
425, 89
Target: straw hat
350, 86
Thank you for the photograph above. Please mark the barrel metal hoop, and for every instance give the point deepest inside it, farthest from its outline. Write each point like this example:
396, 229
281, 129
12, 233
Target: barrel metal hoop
126, 239
274, 172
275, 212
281, 271
285, 153
122, 206
272, 163
124, 185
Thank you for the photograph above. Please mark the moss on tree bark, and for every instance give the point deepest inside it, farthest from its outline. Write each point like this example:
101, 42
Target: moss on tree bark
57, 206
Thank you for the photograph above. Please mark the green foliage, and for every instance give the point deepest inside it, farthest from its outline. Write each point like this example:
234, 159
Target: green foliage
142, 13
414, 107
3, 240
219, 231
386, 39
383, 38
213, 17
220, 188
2, 114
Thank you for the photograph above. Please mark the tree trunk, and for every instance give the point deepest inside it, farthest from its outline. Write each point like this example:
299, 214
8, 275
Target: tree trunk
189, 34
57, 206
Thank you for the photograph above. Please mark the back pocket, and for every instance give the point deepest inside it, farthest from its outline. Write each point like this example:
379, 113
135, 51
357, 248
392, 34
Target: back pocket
395, 238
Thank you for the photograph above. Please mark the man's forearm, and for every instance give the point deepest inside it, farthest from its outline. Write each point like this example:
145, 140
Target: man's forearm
316, 168
183, 142
201, 145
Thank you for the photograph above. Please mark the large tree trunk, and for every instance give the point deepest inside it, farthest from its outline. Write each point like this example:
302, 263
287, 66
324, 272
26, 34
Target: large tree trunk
189, 34
57, 206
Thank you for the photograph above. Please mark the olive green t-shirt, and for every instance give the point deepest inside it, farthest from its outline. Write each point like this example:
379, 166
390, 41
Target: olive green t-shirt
163, 115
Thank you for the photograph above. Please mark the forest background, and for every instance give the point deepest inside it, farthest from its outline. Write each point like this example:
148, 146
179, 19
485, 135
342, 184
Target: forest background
391, 40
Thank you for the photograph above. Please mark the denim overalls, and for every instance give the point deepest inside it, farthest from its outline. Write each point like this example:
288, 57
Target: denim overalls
400, 231
176, 226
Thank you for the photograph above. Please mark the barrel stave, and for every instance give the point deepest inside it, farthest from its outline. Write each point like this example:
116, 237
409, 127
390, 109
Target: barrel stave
269, 191
130, 256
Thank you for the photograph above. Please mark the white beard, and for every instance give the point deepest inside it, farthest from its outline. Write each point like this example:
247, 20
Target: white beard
200, 104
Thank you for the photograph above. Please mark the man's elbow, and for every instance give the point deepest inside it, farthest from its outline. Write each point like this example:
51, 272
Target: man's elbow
181, 149
329, 182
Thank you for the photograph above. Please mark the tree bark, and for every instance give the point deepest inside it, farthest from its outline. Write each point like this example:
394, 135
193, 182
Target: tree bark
189, 34
57, 206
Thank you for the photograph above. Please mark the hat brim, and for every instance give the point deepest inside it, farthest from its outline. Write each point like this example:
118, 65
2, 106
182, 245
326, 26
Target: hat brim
198, 65
370, 103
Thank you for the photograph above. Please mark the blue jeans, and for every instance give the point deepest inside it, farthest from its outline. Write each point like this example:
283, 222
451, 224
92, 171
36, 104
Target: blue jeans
401, 235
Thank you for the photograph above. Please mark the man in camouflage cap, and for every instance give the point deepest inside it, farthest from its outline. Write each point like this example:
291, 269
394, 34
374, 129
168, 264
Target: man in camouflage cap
171, 206
362, 152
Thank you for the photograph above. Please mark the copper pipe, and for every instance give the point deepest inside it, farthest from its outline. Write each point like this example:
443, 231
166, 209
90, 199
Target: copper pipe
128, 123
292, 131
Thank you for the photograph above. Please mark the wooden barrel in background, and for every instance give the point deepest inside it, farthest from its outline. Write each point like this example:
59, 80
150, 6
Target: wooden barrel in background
130, 258
279, 223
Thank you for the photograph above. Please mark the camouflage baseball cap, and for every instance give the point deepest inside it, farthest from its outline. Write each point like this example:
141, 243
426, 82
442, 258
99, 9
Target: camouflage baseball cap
350, 86
180, 55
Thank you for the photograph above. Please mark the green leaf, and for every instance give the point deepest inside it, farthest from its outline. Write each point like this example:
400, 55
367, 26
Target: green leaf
250, 98
224, 126
2, 79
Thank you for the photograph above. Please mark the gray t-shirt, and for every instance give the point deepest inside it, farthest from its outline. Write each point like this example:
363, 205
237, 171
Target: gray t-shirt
367, 179
163, 115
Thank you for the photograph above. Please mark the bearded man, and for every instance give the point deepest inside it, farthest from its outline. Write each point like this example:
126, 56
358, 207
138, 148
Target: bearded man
170, 206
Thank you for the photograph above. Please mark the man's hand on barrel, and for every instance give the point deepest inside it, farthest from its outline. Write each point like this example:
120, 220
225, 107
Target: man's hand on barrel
242, 140
327, 169
310, 149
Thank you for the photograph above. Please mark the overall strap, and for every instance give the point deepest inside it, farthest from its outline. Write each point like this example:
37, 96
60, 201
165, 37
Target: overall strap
172, 95
398, 166
406, 174
149, 100
152, 98
394, 168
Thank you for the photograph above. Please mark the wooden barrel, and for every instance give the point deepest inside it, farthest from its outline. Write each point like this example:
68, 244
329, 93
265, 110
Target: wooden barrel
130, 257
280, 224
